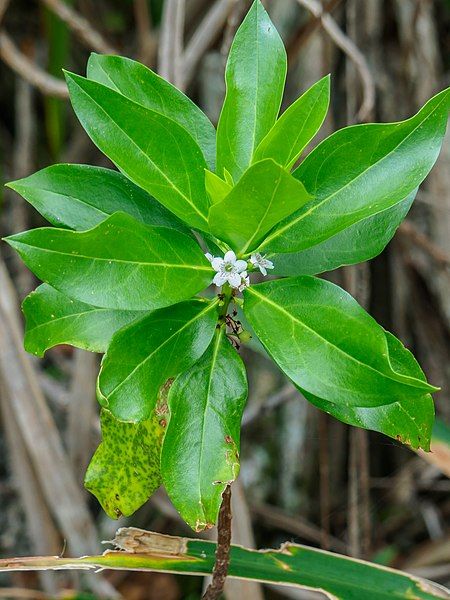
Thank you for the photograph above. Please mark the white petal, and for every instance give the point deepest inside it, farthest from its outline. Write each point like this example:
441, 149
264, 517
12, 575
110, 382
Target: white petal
234, 279
263, 270
230, 256
253, 260
268, 264
209, 256
244, 284
217, 263
240, 265
220, 279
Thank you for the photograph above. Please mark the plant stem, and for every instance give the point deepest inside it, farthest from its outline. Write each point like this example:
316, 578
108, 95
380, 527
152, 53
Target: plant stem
227, 296
215, 588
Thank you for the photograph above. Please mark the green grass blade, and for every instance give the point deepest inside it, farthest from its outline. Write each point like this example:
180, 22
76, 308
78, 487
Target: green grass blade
339, 577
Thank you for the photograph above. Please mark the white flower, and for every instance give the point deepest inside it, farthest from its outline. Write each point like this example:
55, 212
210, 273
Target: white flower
229, 269
260, 262
245, 282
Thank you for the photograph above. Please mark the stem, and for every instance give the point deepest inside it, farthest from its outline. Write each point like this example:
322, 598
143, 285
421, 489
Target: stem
215, 588
227, 296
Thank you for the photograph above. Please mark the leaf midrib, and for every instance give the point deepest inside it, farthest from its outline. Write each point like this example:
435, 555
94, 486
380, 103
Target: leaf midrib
118, 260
291, 224
206, 407
166, 341
327, 342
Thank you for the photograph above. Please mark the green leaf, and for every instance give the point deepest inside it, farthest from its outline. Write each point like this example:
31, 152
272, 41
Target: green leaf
327, 344
200, 454
357, 243
264, 195
216, 187
409, 421
254, 76
52, 318
121, 263
125, 469
338, 577
143, 356
155, 152
297, 126
140, 84
80, 197
360, 171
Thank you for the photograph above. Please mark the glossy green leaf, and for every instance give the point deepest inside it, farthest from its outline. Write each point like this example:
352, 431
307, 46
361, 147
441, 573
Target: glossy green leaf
327, 344
359, 242
297, 126
52, 318
120, 263
200, 453
333, 575
409, 421
264, 195
155, 152
143, 356
140, 84
254, 76
360, 171
125, 469
216, 187
80, 197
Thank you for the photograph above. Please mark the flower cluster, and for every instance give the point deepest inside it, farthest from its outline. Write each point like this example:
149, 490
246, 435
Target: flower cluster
233, 271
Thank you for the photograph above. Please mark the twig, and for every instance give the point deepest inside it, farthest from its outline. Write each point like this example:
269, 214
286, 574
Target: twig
298, 526
203, 37
242, 536
146, 42
235, 14
40, 434
409, 230
3, 7
351, 50
220, 571
171, 41
252, 413
40, 526
81, 412
81, 27
324, 480
25, 120
18, 62
307, 30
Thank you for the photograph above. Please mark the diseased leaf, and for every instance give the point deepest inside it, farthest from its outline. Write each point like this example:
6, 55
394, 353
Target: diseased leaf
327, 344
120, 263
360, 171
297, 126
200, 453
52, 318
138, 83
143, 356
359, 242
254, 76
125, 469
264, 195
409, 421
80, 197
155, 152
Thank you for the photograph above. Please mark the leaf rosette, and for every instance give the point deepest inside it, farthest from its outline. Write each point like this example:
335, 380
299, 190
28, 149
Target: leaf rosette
131, 254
